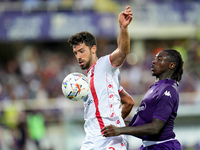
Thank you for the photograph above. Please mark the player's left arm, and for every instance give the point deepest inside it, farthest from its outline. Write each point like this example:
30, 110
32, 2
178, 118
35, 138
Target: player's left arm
164, 108
119, 55
127, 103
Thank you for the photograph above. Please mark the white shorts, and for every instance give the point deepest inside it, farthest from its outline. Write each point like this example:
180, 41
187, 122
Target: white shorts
105, 143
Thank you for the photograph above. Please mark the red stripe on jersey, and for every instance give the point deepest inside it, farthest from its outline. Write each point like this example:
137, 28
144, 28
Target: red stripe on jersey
96, 101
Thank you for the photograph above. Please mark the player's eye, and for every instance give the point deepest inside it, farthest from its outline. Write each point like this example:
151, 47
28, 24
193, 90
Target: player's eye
75, 53
159, 59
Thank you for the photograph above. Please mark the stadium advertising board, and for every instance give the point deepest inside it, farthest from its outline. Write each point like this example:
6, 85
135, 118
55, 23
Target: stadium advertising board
51, 26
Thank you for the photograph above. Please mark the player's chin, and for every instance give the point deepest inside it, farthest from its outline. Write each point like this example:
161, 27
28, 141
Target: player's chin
153, 73
82, 67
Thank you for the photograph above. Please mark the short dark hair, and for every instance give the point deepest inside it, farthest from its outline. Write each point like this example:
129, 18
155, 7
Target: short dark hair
175, 56
83, 37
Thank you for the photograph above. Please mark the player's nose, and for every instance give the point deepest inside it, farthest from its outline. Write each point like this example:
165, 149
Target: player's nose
78, 56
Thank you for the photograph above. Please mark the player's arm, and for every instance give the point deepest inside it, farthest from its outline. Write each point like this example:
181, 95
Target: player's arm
163, 110
152, 128
123, 41
127, 103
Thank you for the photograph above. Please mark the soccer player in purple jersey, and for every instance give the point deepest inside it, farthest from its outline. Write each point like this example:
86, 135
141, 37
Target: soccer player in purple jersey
154, 119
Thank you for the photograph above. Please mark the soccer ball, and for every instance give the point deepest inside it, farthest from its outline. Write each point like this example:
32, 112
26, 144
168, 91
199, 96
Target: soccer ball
75, 86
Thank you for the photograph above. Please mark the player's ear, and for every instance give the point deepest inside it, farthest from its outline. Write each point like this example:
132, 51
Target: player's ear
94, 49
172, 65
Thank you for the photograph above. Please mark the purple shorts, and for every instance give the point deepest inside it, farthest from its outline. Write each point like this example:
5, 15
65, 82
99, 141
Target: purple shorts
169, 145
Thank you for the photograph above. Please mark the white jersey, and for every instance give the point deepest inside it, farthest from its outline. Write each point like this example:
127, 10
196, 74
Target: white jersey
103, 104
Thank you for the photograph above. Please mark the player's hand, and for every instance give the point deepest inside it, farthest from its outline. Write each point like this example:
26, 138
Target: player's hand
110, 130
125, 17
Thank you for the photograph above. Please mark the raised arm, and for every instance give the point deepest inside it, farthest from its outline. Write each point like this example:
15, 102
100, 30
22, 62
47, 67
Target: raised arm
123, 41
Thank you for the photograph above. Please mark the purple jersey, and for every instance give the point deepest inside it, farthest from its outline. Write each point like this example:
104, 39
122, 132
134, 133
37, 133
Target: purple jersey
161, 101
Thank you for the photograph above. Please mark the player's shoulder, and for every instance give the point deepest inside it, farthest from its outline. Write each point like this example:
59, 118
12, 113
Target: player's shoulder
169, 86
103, 58
165, 85
104, 61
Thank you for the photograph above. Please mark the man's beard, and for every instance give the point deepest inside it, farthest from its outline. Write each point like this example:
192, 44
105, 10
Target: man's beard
87, 65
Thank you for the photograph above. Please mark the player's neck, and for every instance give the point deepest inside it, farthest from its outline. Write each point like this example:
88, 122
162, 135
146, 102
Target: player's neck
165, 75
92, 63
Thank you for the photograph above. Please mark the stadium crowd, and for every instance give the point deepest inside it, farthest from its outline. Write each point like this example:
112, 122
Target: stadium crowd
36, 72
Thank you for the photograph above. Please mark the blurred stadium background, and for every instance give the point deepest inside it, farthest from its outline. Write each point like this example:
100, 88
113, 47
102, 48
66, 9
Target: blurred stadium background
35, 57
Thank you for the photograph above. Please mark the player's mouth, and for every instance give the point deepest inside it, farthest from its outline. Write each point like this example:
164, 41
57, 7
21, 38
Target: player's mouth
81, 63
152, 67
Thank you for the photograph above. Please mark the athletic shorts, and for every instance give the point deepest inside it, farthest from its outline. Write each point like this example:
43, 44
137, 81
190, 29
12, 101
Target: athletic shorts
105, 143
169, 145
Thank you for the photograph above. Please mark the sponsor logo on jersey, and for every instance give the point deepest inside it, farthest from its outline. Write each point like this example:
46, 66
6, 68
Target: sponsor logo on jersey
167, 93
142, 107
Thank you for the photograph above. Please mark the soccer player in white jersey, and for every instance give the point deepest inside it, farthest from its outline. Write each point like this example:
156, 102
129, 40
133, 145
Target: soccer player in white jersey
103, 107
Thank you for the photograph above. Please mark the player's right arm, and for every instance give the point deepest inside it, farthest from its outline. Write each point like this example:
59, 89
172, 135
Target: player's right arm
119, 55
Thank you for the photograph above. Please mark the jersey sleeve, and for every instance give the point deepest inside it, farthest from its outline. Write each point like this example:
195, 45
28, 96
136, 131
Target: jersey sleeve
165, 103
106, 64
120, 89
